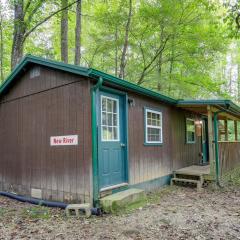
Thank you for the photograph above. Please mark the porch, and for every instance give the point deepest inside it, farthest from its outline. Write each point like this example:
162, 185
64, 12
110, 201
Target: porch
221, 119
194, 170
194, 175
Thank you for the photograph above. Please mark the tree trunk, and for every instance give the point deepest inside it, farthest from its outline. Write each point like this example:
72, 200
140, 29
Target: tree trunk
1, 48
78, 31
159, 85
64, 32
238, 83
171, 65
116, 52
18, 33
125, 46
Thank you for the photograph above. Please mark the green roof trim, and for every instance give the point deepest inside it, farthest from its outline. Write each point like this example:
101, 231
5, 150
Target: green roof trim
131, 86
224, 103
93, 73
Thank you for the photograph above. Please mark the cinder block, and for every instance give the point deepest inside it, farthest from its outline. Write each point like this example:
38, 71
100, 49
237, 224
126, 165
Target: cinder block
77, 208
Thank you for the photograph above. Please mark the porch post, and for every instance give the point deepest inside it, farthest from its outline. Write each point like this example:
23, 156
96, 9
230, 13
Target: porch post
236, 131
226, 129
210, 142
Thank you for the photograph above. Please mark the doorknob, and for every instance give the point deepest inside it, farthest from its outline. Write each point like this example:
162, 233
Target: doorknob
123, 145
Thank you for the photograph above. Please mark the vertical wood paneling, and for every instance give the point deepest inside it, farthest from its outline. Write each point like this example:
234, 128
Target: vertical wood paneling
151, 162
229, 155
27, 159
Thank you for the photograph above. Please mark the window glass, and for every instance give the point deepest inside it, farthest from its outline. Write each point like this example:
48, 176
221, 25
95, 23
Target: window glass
153, 131
109, 119
190, 130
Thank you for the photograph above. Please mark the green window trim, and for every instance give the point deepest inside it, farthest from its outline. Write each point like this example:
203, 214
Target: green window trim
155, 127
187, 131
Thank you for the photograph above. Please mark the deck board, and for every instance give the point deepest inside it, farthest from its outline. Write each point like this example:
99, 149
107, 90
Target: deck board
194, 170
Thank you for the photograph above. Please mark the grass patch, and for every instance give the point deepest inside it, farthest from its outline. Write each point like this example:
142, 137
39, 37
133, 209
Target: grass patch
37, 212
232, 177
2, 211
151, 198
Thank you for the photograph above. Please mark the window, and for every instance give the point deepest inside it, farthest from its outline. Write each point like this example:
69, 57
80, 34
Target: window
153, 127
190, 130
109, 119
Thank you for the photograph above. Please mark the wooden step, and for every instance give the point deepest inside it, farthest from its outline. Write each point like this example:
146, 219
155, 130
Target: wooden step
197, 182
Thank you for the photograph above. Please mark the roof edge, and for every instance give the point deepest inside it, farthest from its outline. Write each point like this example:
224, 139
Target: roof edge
44, 62
131, 86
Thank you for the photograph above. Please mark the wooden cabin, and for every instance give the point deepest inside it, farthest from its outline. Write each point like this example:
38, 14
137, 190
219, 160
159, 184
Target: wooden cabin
74, 134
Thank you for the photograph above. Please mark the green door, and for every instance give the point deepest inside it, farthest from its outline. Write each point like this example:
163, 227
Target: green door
111, 140
204, 142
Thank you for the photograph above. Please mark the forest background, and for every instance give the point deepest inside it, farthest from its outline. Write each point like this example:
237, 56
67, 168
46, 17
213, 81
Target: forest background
181, 48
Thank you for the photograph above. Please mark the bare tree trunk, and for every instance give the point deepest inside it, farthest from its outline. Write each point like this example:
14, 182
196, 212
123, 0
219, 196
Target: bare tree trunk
171, 65
18, 34
230, 80
238, 84
159, 85
125, 46
1, 47
64, 32
78, 31
22, 29
116, 52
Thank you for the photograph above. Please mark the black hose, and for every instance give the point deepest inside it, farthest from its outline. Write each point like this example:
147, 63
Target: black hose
94, 211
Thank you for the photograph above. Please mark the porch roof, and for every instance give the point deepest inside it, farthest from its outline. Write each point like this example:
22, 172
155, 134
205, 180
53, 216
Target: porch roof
229, 109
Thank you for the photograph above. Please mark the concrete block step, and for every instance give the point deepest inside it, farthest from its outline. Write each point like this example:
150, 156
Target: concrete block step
78, 208
116, 201
198, 183
185, 180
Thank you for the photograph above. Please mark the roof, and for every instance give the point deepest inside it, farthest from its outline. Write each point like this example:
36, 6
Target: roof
90, 72
227, 105
220, 105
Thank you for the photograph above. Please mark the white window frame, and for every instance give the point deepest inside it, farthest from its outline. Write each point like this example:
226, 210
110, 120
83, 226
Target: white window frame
118, 126
187, 141
147, 110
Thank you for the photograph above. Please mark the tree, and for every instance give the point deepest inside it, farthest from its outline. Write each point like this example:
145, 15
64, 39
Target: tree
64, 31
78, 30
1, 45
26, 21
125, 46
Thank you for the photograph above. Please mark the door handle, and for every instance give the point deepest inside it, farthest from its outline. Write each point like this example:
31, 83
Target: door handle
123, 145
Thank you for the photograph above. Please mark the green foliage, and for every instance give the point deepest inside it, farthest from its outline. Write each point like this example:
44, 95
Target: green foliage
176, 47
232, 177
37, 212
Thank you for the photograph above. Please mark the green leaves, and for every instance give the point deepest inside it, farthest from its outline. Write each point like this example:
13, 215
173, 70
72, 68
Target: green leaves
174, 46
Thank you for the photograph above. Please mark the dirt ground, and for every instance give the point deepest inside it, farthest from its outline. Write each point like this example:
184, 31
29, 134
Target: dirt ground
173, 213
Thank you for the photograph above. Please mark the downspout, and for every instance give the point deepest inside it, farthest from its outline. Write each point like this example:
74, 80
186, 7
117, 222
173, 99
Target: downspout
94, 90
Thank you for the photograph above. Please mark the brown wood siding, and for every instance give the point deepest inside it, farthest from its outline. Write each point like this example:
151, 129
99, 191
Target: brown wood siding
49, 109
229, 156
151, 162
